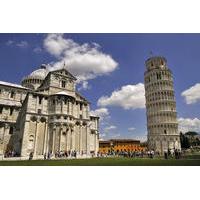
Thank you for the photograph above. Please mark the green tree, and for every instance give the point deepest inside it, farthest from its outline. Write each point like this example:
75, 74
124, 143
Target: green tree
185, 143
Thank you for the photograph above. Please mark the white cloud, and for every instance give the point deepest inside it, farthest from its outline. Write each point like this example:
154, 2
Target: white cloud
86, 61
103, 113
37, 50
192, 95
109, 136
128, 97
102, 136
84, 86
188, 124
131, 129
115, 135
21, 44
109, 128
9, 42
56, 44
142, 138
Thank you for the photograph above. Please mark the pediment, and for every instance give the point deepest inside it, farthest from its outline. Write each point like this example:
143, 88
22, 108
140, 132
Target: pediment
64, 72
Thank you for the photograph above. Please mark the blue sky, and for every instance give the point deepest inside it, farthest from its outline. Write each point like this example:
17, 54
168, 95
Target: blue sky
123, 64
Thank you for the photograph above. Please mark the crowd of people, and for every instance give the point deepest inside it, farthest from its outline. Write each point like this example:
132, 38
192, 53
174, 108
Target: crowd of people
10, 154
177, 154
127, 154
170, 153
61, 154
57, 155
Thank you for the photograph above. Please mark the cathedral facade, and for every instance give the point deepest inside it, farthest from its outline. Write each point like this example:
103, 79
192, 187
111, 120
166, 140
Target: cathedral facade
46, 114
162, 124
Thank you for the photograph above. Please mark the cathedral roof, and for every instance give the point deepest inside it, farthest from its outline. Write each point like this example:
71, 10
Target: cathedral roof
12, 85
65, 93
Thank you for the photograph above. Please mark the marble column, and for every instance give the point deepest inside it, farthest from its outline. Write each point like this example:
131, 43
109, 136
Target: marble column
1, 139
77, 135
73, 139
60, 137
67, 138
80, 138
54, 138
6, 127
45, 138
35, 144
87, 140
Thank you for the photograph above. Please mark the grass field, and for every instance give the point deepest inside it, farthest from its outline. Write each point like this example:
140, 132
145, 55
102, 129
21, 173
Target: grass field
192, 160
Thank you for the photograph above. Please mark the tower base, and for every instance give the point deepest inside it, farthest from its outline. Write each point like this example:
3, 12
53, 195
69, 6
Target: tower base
163, 143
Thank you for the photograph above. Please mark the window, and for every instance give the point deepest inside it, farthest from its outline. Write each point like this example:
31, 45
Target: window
1, 109
165, 131
81, 106
81, 117
12, 94
63, 84
39, 111
11, 130
40, 100
11, 111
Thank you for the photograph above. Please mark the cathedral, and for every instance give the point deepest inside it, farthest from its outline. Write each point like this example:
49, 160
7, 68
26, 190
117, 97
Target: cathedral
46, 114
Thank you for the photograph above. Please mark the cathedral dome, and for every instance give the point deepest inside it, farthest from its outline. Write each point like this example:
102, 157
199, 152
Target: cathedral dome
40, 73
34, 80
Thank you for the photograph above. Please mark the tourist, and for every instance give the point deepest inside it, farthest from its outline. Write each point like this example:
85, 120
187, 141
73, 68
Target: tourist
31, 156
165, 154
49, 156
151, 154
169, 152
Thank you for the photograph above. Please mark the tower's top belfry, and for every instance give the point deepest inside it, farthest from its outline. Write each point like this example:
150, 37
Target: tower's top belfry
156, 62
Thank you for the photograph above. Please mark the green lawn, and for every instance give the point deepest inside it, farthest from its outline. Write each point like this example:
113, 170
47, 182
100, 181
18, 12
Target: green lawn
193, 160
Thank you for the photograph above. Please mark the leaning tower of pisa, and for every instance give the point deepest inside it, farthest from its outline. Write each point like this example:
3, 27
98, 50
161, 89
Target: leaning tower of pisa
162, 125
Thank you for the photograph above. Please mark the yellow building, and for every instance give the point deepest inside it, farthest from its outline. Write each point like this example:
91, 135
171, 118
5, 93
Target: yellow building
119, 145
